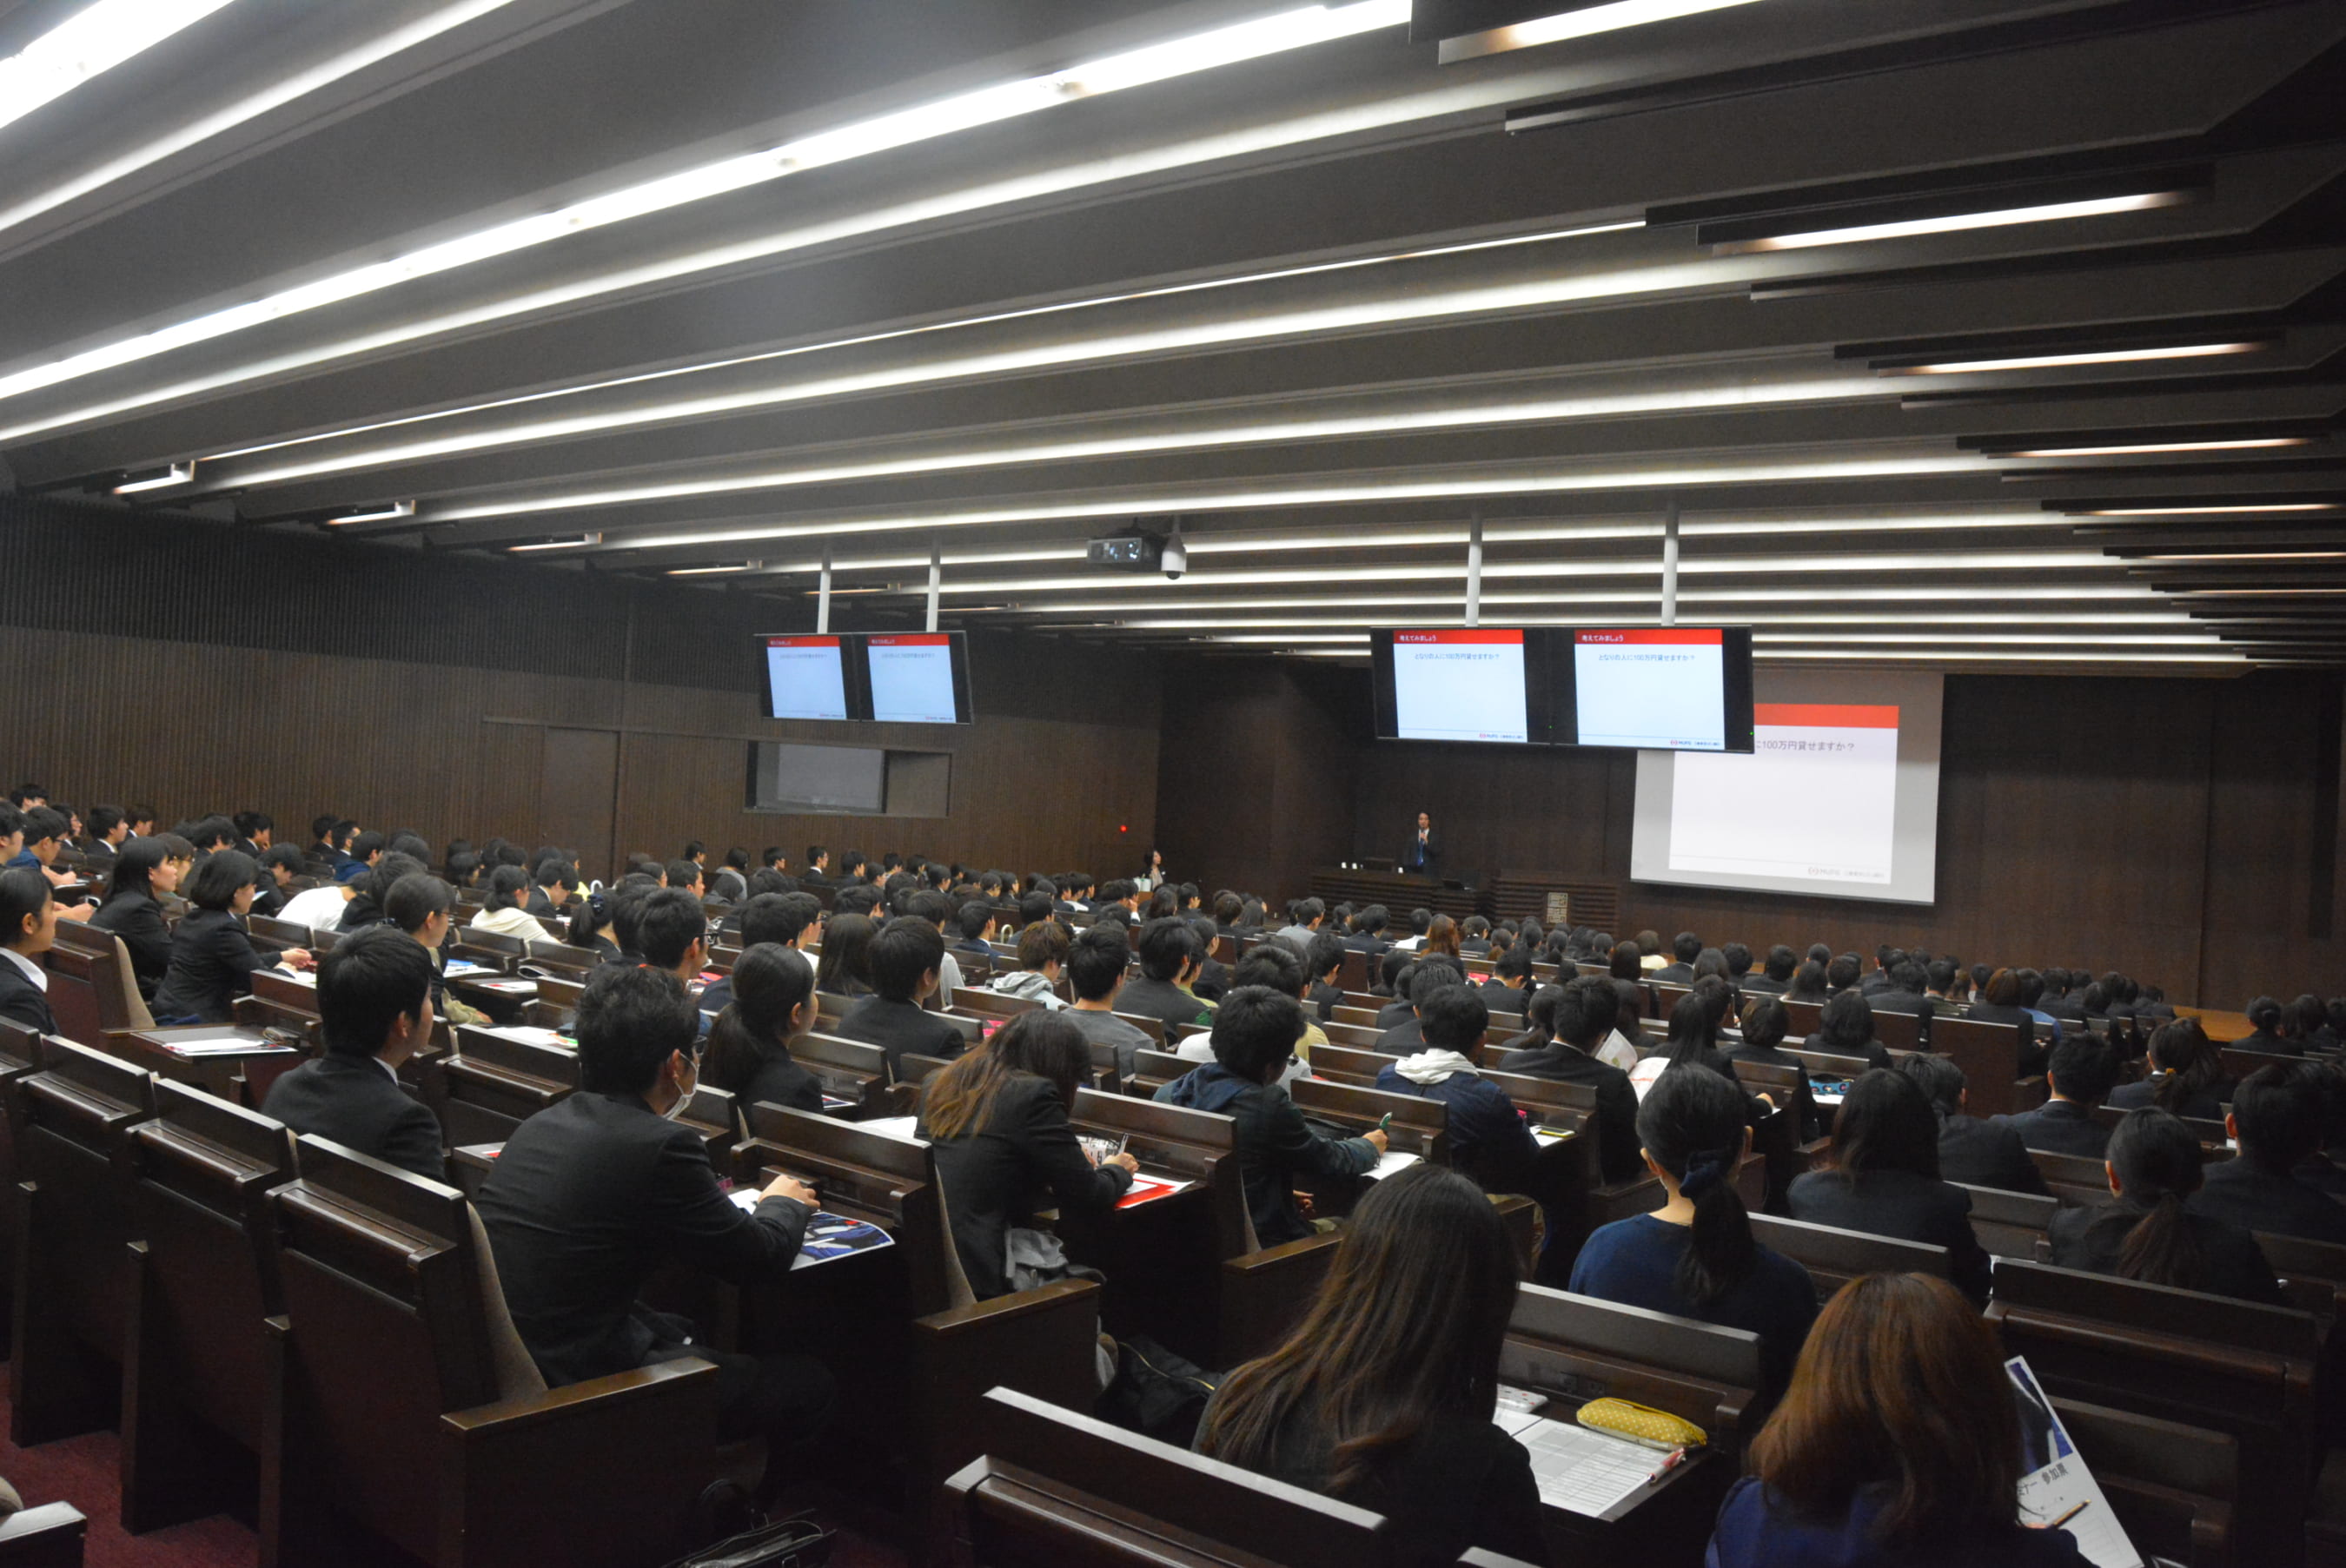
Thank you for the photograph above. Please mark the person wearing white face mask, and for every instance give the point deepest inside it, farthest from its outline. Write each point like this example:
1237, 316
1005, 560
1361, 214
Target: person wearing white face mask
593, 1194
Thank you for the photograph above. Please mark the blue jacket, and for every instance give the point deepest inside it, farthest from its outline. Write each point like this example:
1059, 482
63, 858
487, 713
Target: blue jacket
1487, 1138
1757, 1530
1272, 1142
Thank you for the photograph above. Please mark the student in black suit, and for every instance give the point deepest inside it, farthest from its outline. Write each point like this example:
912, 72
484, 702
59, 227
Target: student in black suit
817, 867
2278, 1114
2084, 1070
1172, 959
1765, 1024
1324, 962
212, 959
2266, 1033
1971, 1151
783, 920
108, 830
280, 867
1904, 993
29, 925
2147, 1233
906, 958
1584, 1016
1382, 1395
2186, 1077
374, 993
129, 910
1684, 948
1423, 852
1509, 989
769, 1002
1885, 1178
998, 1119
591, 1197
1845, 1028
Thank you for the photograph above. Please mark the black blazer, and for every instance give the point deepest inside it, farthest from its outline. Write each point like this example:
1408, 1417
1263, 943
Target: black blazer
1673, 974
2231, 1262
1616, 1102
1804, 1102
587, 1200
777, 1080
897, 1027
1429, 859
1324, 999
2060, 1128
2247, 1195
353, 1102
1903, 1205
2206, 1105
995, 1178
22, 1001
1979, 1152
212, 962
138, 919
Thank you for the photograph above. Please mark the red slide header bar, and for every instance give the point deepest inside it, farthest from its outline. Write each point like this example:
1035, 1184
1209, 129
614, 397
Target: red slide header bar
913, 640
1823, 716
1471, 635
1712, 636
801, 642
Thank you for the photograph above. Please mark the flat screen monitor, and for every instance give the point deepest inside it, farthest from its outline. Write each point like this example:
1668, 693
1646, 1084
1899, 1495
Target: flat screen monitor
807, 677
917, 678
1482, 684
1661, 688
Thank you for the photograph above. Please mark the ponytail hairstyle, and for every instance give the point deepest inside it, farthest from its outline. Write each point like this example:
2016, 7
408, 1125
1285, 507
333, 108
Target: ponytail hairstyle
2264, 1015
770, 983
2157, 1165
590, 919
506, 885
1692, 1126
2190, 1059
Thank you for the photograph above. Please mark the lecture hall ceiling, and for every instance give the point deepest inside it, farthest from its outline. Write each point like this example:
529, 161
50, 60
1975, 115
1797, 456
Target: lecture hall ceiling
1980, 333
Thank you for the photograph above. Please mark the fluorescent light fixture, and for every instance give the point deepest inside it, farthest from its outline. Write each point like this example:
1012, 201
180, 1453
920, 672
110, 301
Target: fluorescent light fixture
967, 111
1965, 595
714, 571
1295, 637
1584, 22
391, 513
2065, 639
246, 105
2250, 555
2056, 361
2002, 218
2138, 448
1938, 656
582, 542
1743, 617
90, 42
2208, 511
161, 479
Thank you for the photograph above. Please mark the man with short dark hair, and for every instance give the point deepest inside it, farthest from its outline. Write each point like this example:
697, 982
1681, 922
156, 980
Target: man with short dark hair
1254, 1035
1509, 989
1172, 958
1427, 976
365, 847
109, 830
593, 1195
375, 993
906, 958
280, 867
1886, 958
1971, 1151
817, 867
2277, 1116
2084, 1070
672, 931
1299, 931
1684, 948
1904, 991
1585, 1014
979, 925
1775, 977
930, 905
1095, 964
1367, 933
1486, 1135
1323, 960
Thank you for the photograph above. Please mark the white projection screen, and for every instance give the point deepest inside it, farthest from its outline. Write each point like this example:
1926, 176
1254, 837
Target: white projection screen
1840, 796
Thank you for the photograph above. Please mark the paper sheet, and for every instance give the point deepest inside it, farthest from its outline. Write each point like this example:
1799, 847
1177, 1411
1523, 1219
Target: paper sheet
1391, 1160
2060, 1487
529, 1034
894, 1126
1578, 1470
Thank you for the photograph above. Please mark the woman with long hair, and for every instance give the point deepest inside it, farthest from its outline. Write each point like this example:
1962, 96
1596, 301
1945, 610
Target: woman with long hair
1696, 1256
1441, 937
1884, 1178
2154, 1167
1152, 872
1898, 1442
1845, 1028
748, 1053
1692, 1041
998, 1118
1625, 962
590, 926
2186, 1076
132, 909
845, 964
504, 913
1382, 1395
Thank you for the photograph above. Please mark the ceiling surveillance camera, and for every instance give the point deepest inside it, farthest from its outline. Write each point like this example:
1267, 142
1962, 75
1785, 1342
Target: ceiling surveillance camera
1175, 558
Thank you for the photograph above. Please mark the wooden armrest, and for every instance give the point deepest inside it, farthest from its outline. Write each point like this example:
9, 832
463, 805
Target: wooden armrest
1272, 1256
1007, 1308
664, 1379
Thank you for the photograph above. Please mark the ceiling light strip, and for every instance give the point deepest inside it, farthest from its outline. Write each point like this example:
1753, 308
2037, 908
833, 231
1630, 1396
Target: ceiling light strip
89, 43
2068, 360
2047, 212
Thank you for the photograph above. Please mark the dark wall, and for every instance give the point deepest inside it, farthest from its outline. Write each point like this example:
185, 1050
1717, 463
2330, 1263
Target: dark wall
194, 666
2186, 832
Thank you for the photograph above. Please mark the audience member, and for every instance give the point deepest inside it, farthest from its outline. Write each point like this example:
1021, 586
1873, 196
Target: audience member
905, 957
504, 913
1172, 958
2186, 1077
2146, 1233
769, 1004
1972, 1151
1043, 949
2279, 1116
130, 909
1487, 1138
2084, 1070
374, 994
212, 959
1885, 1178
29, 925
1095, 966
1845, 1028
1583, 1014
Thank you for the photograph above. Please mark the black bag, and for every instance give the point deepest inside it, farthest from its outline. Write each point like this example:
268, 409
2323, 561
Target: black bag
785, 1544
1156, 1392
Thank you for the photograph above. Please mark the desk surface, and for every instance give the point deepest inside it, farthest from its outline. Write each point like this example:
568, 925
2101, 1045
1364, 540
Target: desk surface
2222, 1027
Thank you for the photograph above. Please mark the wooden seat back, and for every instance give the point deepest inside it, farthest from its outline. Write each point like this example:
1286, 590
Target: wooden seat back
1591, 1349
1420, 1126
1834, 1257
848, 1069
1989, 1054
1152, 1070
890, 1182
494, 1082
2171, 1485
2010, 1223
2080, 1179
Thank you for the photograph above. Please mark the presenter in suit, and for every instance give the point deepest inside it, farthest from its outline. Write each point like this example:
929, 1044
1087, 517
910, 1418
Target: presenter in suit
592, 1195
374, 993
1423, 853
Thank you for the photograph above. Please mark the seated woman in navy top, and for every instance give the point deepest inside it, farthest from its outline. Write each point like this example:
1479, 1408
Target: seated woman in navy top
1897, 1445
1382, 1395
2154, 1165
1695, 1255
1885, 1178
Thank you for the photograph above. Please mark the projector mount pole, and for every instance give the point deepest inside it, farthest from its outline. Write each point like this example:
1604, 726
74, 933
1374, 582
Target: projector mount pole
936, 577
823, 594
1670, 564
1474, 569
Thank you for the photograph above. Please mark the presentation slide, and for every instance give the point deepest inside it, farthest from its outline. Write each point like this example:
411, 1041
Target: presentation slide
1839, 797
804, 678
1654, 688
912, 678
1466, 684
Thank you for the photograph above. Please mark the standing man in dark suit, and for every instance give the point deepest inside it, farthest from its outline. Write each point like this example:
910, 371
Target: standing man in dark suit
29, 924
374, 993
593, 1194
1423, 854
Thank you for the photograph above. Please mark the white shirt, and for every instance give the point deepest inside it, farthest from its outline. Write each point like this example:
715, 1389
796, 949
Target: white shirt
33, 971
320, 909
512, 921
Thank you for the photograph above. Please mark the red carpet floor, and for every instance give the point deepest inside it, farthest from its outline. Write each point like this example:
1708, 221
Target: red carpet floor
83, 1472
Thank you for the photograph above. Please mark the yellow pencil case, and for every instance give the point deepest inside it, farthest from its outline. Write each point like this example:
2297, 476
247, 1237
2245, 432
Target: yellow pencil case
1641, 1424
